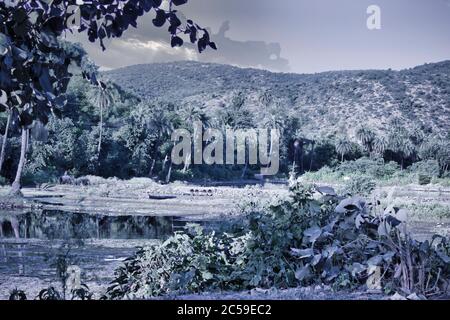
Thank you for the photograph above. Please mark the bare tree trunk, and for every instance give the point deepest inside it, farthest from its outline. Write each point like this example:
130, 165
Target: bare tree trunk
16, 186
164, 163
28, 141
302, 166
152, 167
100, 129
5, 140
245, 169
169, 173
294, 165
312, 156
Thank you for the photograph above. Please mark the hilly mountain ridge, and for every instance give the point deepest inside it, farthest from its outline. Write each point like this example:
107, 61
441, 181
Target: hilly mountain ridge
325, 103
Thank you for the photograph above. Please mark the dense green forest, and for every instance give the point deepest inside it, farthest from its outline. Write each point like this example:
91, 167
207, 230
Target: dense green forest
136, 127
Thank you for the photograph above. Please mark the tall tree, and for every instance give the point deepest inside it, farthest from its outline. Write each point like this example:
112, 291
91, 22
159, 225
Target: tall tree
402, 146
380, 145
4, 107
15, 188
343, 146
35, 67
406, 150
366, 136
103, 98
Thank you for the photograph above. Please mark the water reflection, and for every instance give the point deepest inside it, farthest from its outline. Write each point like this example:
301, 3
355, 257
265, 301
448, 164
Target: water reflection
50, 224
9, 223
22, 255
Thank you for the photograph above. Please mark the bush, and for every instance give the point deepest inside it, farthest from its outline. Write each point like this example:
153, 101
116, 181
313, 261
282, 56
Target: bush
303, 240
179, 175
186, 262
424, 179
39, 177
360, 185
428, 168
429, 211
364, 166
372, 169
3, 181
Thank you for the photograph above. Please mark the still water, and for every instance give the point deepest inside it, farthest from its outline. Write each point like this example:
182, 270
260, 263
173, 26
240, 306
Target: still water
61, 225
30, 242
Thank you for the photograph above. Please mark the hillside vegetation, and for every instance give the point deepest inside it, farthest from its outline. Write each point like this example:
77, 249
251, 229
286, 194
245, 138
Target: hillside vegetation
328, 102
123, 130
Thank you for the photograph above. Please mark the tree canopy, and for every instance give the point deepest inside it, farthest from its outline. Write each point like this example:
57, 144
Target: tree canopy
35, 68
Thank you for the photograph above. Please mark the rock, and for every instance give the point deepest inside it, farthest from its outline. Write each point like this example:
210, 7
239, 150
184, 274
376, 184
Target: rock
414, 296
397, 296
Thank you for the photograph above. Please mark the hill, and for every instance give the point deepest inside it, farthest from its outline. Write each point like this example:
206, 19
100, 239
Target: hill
326, 102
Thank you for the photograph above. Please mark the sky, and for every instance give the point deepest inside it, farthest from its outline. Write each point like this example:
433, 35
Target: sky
301, 36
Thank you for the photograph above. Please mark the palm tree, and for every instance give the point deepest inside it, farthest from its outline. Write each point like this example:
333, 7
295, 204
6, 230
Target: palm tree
366, 136
103, 98
191, 113
401, 145
407, 150
380, 145
237, 115
299, 145
343, 146
416, 135
445, 156
162, 122
275, 119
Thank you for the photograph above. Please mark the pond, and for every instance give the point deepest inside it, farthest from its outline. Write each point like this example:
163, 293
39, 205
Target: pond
31, 242
57, 225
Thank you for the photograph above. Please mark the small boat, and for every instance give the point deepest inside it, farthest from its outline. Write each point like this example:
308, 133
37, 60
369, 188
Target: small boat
160, 197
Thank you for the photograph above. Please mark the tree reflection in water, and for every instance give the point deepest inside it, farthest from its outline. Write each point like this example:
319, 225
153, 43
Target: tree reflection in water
21, 254
50, 224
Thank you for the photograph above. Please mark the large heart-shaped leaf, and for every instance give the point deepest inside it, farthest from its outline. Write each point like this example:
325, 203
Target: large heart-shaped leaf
313, 233
303, 273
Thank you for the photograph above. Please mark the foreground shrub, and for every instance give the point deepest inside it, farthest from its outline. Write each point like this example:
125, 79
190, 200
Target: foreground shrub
187, 262
312, 237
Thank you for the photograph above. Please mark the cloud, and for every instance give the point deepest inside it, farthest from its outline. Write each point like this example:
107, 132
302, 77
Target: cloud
125, 52
256, 54
147, 44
